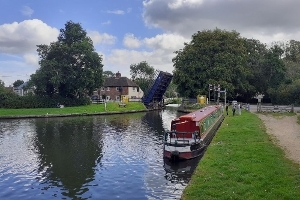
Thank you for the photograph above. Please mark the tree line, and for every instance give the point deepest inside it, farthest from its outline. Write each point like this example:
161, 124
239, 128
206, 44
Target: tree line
245, 67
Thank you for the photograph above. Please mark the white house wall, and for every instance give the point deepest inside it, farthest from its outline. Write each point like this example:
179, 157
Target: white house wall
134, 93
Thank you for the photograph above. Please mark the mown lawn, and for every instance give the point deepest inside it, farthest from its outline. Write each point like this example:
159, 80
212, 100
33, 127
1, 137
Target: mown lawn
89, 109
242, 162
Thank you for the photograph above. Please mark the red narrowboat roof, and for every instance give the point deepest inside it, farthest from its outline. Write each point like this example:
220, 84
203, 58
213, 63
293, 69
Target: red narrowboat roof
198, 114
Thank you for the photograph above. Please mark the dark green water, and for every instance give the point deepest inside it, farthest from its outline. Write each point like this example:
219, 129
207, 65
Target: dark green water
94, 157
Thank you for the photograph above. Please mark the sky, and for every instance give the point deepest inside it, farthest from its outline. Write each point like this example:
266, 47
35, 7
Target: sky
126, 32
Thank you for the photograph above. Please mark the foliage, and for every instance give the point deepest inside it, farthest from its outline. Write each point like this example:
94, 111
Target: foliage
173, 101
17, 83
13, 101
70, 67
212, 57
2, 83
286, 93
171, 91
244, 67
107, 74
142, 74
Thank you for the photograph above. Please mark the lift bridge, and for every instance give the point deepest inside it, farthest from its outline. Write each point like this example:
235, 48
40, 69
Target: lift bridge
156, 89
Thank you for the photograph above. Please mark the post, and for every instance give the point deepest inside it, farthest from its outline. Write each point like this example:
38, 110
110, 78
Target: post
209, 93
214, 94
225, 96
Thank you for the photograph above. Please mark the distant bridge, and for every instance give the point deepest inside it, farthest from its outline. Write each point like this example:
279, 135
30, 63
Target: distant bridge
153, 95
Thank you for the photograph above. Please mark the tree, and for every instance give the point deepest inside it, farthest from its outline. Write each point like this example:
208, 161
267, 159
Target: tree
107, 74
171, 91
292, 59
142, 74
17, 83
256, 52
2, 84
212, 57
69, 67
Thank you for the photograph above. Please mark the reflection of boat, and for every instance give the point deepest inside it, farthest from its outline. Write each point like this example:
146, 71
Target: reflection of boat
192, 132
184, 167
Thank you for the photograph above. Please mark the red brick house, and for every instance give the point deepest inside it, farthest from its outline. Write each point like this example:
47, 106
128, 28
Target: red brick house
114, 88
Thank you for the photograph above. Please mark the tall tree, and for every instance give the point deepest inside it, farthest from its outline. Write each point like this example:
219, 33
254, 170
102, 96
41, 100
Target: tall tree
142, 74
256, 52
212, 57
70, 66
17, 83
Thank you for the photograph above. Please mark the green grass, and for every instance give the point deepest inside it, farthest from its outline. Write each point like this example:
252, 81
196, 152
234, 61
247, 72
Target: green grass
89, 109
242, 162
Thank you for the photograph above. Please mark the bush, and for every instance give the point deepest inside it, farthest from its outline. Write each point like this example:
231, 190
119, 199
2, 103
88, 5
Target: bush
12, 100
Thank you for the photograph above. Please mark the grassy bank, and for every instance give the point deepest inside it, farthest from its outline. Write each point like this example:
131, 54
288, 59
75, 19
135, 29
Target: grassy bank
89, 109
242, 162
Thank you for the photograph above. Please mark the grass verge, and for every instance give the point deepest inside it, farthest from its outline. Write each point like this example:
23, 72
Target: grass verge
242, 162
89, 109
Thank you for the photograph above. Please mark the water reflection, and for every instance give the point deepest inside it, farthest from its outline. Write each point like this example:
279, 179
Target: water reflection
69, 149
92, 157
180, 172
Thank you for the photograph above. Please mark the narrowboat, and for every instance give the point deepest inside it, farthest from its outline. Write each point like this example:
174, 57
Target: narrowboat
191, 133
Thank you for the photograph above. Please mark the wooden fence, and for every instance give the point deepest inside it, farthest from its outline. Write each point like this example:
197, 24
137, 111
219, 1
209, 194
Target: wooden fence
274, 108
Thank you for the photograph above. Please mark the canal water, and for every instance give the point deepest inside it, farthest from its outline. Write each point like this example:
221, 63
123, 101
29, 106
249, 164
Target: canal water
91, 157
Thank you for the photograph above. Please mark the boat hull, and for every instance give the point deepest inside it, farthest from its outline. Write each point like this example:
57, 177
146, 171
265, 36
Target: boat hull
177, 155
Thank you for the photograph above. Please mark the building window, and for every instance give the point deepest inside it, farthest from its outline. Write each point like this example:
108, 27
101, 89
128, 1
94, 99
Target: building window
102, 88
117, 98
118, 88
107, 89
107, 98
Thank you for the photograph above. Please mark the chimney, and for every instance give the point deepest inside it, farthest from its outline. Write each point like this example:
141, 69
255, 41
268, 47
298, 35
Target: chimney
118, 74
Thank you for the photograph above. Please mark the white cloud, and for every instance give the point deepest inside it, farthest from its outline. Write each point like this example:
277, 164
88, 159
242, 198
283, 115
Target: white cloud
121, 59
27, 11
166, 41
19, 38
179, 3
160, 56
130, 41
103, 38
31, 59
270, 20
12, 70
106, 23
117, 12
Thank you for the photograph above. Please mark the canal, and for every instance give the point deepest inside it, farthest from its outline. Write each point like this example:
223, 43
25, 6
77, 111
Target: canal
92, 157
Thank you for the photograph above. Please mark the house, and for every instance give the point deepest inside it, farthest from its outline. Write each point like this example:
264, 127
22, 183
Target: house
118, 87
21, 91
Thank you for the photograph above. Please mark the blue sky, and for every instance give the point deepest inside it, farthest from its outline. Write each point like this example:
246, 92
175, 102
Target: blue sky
127, 32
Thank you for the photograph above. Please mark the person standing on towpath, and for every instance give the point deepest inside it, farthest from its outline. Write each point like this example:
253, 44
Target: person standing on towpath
233, 110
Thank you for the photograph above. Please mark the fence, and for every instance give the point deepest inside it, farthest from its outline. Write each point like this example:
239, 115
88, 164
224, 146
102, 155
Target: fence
274, 108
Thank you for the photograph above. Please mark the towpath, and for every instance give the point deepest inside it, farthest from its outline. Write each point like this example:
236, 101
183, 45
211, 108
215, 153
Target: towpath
286, 130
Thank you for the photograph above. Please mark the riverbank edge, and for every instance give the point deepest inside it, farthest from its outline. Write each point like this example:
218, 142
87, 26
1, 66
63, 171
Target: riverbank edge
72, 114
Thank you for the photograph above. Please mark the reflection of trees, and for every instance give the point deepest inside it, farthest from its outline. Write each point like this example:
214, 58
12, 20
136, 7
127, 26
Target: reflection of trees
154, 121
121, 122
69, 150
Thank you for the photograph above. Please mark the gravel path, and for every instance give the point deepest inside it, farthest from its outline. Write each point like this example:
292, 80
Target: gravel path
286, 131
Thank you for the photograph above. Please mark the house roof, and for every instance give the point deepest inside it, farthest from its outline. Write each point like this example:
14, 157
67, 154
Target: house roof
20, 87
119, 82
